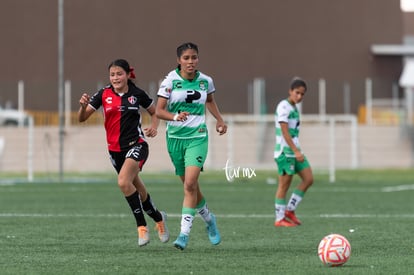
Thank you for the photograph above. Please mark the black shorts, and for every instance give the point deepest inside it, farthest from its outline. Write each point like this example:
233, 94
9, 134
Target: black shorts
138, 152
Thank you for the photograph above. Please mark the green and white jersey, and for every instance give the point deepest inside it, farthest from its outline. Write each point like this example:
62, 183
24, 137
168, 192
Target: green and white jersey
187, 96
288, 113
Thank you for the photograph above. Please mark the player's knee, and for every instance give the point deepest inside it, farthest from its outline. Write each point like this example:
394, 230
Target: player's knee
308, 181
124, 186
190, 187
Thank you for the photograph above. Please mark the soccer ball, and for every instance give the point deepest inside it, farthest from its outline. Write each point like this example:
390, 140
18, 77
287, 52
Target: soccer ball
334, 250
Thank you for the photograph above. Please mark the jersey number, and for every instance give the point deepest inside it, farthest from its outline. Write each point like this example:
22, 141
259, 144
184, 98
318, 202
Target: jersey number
192, 95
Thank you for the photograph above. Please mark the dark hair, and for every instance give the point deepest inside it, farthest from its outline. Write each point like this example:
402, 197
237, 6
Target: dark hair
298, 82
183, 47
186, 46
120, 63
125, 66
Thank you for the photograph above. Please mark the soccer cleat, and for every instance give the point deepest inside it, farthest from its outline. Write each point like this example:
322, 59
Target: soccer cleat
143, 236
291, 216
162, 228
213, 233
181, 241
284, 223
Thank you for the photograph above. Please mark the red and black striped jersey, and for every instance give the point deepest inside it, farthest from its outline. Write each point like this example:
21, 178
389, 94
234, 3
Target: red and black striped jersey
122, 115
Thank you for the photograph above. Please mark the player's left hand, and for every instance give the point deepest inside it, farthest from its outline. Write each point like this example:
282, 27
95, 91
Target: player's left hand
150, 132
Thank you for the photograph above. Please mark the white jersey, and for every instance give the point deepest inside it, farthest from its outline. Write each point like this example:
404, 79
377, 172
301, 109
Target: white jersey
288, 113
187, 96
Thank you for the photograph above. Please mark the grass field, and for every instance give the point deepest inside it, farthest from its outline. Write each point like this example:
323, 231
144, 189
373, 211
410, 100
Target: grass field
84, 226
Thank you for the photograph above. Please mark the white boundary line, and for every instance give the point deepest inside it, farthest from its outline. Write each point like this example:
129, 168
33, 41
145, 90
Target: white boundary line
227, 216
330, 189
398, 188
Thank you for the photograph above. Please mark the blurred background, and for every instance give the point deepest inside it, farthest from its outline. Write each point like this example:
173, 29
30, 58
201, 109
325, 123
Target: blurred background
357, 57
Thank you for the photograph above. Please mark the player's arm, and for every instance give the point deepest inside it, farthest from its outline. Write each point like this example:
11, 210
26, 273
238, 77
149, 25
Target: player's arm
162, 113
152, 130
212, 107
285, 133
85, 110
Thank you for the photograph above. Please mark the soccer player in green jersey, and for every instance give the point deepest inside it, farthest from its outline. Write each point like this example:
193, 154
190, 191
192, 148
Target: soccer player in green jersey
289, 156
183, 97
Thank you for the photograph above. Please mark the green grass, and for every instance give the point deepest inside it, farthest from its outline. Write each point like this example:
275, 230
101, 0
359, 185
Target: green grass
85, 226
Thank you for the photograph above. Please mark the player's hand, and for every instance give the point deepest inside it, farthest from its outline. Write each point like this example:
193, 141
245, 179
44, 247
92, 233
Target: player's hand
181, 116
84, 100
150, 132
221, 128
299, 156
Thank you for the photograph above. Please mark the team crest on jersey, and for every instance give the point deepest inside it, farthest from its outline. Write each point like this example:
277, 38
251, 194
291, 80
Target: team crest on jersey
132, 99
203, 85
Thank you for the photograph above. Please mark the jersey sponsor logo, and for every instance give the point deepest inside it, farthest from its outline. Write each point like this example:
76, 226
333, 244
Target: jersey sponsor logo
192, 96
108, 100
132, 99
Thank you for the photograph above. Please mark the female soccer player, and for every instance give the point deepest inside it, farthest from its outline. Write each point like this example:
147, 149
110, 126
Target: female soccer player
182, 99
128, 150
289, 157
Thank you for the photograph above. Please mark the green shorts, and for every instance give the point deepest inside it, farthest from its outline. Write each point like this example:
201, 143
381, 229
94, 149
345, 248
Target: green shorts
187, 152
289, 165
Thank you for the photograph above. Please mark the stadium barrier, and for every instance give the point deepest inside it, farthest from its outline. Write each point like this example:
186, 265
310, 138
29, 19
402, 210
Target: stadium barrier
330, 142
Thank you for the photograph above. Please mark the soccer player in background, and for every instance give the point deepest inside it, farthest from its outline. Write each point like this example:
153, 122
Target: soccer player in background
183, 97
289, 156
128, 149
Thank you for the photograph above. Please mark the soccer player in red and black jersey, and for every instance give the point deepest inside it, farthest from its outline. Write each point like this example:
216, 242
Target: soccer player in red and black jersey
121, 101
